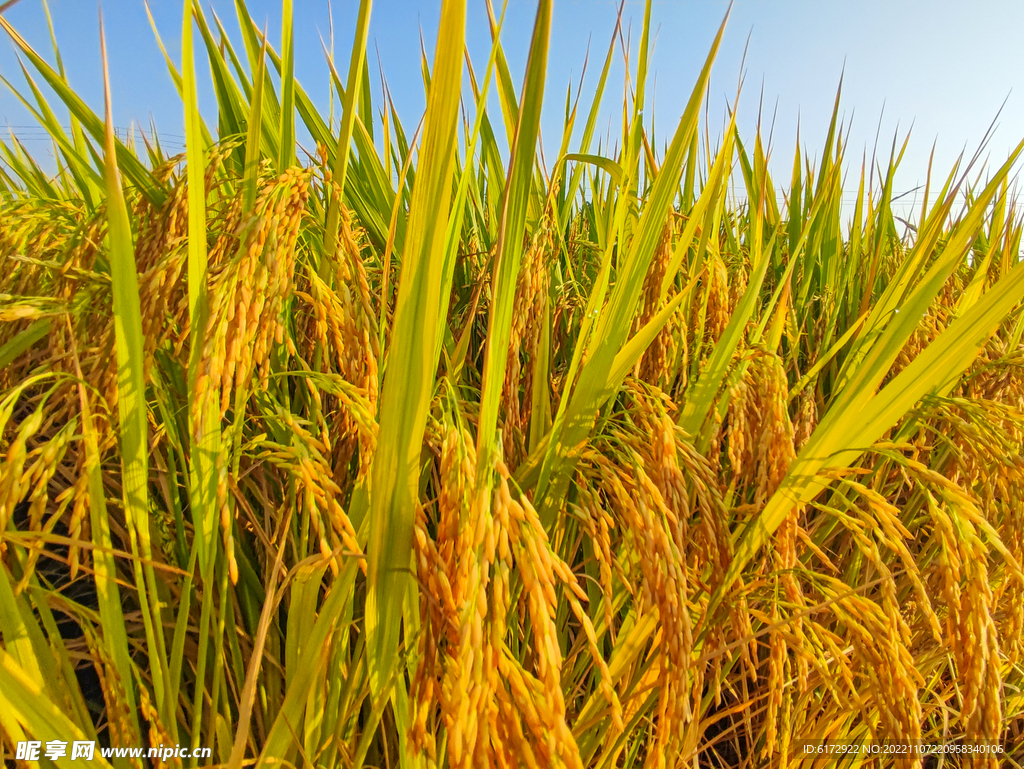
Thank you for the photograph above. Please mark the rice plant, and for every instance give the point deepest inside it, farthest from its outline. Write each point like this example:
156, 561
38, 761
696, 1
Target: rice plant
410, 452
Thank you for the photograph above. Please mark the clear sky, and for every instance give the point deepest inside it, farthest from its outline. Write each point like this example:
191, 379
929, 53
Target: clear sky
944, 67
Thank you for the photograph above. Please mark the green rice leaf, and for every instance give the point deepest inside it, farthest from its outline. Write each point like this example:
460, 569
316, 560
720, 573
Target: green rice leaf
26, 702
254, 137
24, 341
131, 403
341, 152
287, 132
515, 202
412, 358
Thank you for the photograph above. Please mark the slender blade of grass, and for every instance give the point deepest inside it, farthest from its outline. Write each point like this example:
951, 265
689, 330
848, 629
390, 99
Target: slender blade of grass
287, 146
515, 202
254, 137
131, 404
36, 712
341, 153
23, 341
412, 358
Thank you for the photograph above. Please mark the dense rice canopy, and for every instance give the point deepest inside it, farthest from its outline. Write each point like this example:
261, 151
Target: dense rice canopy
415, 453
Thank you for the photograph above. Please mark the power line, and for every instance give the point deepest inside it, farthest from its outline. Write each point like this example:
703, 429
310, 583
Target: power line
67, 128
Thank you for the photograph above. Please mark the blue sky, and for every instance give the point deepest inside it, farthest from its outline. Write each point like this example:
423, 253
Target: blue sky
944, 67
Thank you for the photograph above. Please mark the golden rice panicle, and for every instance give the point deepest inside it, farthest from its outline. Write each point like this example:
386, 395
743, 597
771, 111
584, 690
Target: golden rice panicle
760, 435
688, 485
743, 429
354, 428
14, 479
536, 565
786, 560
738, 281
834, 666
78, 526
574, 595
319, 492
1011, 596
345, 323
274, 276
470, 671
36, 480
785, 636
886, 667
786, 721
932, 324
981, 713
883, 518
655, 367
776, 451
424, 688
457, 475
340, 326
118, 714
227, 526
777, 658
247, 295
435, 685
647, 520
498, 551
949, 567
974, 638
986, 465
512, 749
158, 734
670, 494
597, 525
718, 307
806, 417
739, 617
161, 256
354, 278
524, 338
528, 704
247, 300
651, 293
605, 685
869, 550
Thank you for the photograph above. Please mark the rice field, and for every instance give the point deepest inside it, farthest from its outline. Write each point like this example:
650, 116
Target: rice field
409, 451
